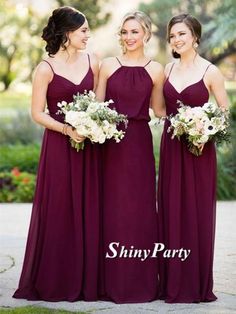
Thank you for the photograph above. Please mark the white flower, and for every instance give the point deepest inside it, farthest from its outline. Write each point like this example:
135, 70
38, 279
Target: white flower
199, 124
193, 132
92, 119
203, 139
199, 113
210, 128
72, 117
209, 107
91, 94
63, 103
93, 107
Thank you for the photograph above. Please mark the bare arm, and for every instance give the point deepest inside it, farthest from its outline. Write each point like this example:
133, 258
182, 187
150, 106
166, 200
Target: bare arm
95, 69
216, 84
42, 77
157, 99
102, 81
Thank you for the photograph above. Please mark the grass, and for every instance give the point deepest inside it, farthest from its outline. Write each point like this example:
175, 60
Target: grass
34, 310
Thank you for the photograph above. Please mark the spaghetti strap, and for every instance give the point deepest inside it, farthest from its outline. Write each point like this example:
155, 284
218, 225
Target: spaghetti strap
147, 63
206, 69
119, 62
170, 70
49, 65
89, 60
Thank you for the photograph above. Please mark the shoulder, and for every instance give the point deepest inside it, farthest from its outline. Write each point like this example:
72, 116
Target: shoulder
156, 66
168, 68
156, 71
110, 61
93, 58
108, 66
44, 70
213, 74
213, 70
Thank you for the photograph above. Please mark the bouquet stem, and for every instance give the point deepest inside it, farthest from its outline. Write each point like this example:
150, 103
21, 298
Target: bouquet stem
77, 146
194, 149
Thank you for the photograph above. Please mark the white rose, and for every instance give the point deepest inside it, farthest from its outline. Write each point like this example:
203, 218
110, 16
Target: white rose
72, 117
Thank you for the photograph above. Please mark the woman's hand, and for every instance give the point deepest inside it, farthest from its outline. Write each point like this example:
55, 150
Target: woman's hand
74, 135
201, 146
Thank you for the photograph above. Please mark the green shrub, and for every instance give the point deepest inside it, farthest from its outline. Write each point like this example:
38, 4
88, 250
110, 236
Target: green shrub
226, 175
18, 127
226, 161
25, 157
16, 186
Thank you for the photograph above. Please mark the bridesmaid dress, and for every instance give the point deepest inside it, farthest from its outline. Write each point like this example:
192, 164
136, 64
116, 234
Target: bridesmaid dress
129, 200
186, 206
61, 258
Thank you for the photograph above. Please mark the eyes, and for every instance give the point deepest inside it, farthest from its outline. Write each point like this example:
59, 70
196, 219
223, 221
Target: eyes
124, 32
85, 30
180, 34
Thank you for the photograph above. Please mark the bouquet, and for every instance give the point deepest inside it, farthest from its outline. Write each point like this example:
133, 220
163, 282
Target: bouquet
199, 125
92, 119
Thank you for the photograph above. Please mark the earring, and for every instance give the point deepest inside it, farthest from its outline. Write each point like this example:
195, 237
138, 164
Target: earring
195, 45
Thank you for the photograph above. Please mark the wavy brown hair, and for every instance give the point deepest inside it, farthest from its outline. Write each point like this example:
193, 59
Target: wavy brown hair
63, 20
191, 22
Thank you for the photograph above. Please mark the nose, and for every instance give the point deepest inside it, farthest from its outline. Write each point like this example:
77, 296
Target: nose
87, 34
129, 36
177, 39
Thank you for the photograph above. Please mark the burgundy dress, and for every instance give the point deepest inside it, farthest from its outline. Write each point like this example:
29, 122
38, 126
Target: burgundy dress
129, 201
61, 258
186, 207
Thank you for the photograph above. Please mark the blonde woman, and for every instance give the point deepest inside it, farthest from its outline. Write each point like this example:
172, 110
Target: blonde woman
134, 82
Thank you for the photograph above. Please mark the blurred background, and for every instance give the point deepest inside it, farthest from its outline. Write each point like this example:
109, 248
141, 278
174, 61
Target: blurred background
21, 49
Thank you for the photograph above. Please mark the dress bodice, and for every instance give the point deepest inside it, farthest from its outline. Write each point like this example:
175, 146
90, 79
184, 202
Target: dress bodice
130, 88
62, 89
193, 95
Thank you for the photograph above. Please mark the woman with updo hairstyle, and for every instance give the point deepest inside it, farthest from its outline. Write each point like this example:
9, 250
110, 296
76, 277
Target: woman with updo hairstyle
59, 24
134, 82
186, 182
61, 257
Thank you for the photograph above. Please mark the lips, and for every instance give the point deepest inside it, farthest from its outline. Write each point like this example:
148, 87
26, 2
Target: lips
130, 43
179, 46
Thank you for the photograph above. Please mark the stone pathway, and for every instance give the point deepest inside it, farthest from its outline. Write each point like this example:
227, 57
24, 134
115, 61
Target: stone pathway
14, 220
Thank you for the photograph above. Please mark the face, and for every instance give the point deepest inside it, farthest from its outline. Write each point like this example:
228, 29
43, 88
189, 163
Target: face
78, 38
132, 35
181, 38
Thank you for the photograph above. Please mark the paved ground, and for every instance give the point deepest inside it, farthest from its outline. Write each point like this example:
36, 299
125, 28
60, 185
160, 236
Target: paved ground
14, 220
